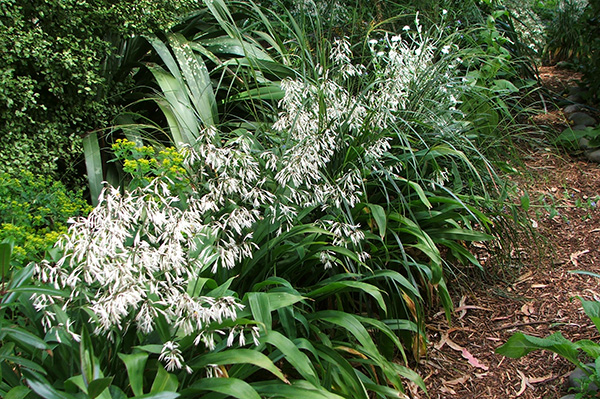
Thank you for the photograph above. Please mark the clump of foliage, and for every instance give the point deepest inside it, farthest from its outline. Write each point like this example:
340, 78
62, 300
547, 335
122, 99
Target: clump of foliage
288, 238
65, 68
34, 212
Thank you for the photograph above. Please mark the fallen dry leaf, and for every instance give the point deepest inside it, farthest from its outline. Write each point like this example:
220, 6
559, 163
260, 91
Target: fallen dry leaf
445, 340
456, 381
536, 380
575, 255
473, 361
523, 383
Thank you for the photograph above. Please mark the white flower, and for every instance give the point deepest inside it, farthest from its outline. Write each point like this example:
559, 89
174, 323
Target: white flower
171, 355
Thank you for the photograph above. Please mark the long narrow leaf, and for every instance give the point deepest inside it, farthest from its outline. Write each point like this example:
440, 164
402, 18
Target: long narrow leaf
228, 386
93, 165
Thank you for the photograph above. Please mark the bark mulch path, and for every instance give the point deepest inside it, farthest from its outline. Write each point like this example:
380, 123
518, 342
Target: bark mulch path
534, 292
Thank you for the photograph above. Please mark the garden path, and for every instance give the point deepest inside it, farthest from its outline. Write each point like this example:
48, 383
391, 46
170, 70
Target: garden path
532, 290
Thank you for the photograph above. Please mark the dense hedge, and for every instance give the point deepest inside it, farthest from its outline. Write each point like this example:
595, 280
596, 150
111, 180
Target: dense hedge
62, 75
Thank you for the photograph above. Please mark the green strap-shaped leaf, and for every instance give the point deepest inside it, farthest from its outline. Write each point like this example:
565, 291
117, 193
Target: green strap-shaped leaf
260, 307
228, 386
333, 287
378, 214
297, 390
176, 107
239, 356
42, 387
93, 165
99, 387
135, 364
23, 363
301, 363
197, 80
164, 381
18, 392
5, 253
24, 337
351, 324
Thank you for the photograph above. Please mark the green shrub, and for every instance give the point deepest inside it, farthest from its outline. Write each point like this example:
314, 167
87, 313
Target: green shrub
65, 68
591, 49
34, 212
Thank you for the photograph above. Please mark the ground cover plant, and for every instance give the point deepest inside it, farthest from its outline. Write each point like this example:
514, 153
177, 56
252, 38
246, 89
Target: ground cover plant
273, 213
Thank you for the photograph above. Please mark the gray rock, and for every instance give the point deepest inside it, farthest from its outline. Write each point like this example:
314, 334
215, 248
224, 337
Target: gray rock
579, 127
569, 396
575, 98
571, 109
576, 90
584, 143
593, 156
581, 118
578, 374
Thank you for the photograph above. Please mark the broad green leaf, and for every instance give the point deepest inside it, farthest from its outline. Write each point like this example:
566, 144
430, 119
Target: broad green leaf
197, 79
297, 390
24, 337
235, 46
164, 381
77, 381
228, 386
5, 253
334, 287
42, 387
98, 386
419, 190
378, 214
135, 364
39, 290
520, 345
592, 310
458, 234
18, 392
301, 363
278, 300
163, 51
159, 395
156, 349
272, 92
239, 356
350, 323
590, 347
260, 307
504, 86
24, 363
341, 370
93, 165
86, 356
397, 277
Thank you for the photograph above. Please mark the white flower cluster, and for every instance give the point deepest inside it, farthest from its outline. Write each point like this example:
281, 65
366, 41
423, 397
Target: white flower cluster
322, 119
135, 257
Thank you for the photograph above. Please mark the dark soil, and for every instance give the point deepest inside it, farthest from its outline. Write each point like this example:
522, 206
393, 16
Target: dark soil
534, 291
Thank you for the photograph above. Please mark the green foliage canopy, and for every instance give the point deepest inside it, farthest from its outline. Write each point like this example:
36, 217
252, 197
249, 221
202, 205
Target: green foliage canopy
62, 74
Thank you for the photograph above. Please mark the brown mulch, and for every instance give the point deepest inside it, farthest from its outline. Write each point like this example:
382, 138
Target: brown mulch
534, 292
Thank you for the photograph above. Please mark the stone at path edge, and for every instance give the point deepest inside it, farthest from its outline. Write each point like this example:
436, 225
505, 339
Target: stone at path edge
581, 118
